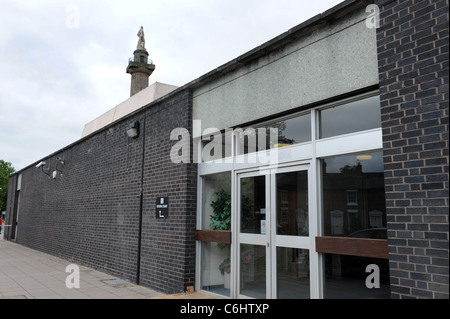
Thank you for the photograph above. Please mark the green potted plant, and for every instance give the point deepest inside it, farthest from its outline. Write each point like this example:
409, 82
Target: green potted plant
221, 205
221, 220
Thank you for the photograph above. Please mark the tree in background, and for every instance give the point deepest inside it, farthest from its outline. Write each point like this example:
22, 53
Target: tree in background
5, 170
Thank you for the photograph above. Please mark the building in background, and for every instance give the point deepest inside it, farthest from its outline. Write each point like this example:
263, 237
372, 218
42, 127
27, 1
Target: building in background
140, 67
135, 102
354, 205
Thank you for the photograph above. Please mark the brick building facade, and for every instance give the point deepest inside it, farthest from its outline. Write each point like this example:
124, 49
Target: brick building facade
100, 210
92, 212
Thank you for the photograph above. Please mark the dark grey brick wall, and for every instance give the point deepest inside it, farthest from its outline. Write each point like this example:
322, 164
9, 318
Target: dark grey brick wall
10, 207
168, 245
91, 214
413, 68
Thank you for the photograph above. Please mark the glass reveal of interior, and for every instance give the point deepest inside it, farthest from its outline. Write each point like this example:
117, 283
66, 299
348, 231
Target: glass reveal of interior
351, 117
347, 277
253, 205
353, 196
216, 215
253, 271
292, 203
215, 268
292, 273
352, 204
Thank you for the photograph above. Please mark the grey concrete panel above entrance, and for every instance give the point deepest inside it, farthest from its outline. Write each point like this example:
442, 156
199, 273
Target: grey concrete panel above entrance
335, 58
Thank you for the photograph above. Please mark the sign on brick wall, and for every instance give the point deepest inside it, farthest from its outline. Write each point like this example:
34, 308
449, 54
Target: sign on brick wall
162, 207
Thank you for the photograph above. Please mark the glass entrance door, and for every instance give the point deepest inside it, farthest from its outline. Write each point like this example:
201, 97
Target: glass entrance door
254, 235
273, 226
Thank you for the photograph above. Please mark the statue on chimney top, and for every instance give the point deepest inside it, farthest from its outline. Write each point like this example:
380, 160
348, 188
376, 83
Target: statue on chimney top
141, 42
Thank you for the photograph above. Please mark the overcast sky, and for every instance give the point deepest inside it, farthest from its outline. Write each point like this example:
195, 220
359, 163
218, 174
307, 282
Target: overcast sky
62, 63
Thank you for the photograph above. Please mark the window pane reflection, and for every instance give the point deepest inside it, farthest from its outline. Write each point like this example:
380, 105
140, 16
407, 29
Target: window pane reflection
253, 205
353, 196
290, 131
294, 130
345, 277
216, 215
350, 117
292, 203
215, 268
253, 271
216, 201
292, 273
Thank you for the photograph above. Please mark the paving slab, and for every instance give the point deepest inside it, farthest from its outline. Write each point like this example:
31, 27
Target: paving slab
30, 274
187, 295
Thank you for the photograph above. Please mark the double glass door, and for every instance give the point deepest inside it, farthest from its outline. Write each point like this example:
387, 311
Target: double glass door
273, 250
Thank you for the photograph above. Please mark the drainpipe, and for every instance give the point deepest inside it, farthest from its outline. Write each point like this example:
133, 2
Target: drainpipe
141, 203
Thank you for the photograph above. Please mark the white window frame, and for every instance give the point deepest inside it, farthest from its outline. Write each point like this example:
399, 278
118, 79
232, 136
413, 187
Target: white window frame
352, 193
298, 154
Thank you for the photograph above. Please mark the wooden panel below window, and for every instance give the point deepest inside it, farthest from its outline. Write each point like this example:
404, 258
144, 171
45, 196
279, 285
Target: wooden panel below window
217, 236
363, 247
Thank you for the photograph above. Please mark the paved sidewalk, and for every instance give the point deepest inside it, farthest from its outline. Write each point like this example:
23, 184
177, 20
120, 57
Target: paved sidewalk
29, 274
188, 295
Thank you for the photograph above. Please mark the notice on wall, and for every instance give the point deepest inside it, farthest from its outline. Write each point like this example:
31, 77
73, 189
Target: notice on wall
162, 207
263, 227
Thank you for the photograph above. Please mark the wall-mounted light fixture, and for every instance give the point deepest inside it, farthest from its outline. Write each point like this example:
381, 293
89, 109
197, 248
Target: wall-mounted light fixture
133, 129
46, 171
41, 166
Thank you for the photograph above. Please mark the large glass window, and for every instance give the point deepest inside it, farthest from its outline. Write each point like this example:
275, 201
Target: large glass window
217, 145
253, 205
252, 281
353, 196
215, 268
291, 131
216, 201
350, 117
352, 206
292, 203
348, 277
292, 273
216, 215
